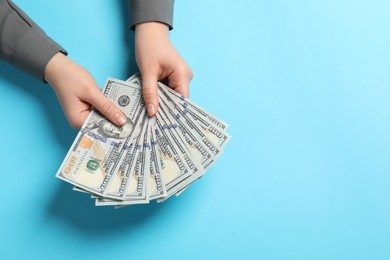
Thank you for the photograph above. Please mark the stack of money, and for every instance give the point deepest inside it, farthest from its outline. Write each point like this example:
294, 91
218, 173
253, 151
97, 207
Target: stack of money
148, 158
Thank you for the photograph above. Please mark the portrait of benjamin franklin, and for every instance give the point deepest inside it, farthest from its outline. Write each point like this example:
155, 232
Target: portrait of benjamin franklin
109, 130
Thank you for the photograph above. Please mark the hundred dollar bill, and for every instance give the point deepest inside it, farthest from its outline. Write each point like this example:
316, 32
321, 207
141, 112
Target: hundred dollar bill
156, 185
94, 153
144, 164
136, 184
197, 142
135, 76
214, 133
138, 193
194, 107
126, 162
161, 156
212, 119
193, 165
195, 153
132, 189
75, 188
174, 168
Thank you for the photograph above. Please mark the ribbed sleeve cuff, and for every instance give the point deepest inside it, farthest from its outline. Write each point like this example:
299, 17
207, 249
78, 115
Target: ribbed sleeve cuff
34, 51
151, 11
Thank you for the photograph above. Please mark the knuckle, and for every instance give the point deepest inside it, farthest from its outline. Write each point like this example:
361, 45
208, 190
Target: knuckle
149, 93
186, 73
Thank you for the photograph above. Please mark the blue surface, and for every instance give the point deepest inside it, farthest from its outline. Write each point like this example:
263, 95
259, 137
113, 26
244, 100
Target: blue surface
305, 88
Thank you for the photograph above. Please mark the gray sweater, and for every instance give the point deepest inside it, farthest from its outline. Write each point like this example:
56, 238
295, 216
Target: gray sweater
26, 46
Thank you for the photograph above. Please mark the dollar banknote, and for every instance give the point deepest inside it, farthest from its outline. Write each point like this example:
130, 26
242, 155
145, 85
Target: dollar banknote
148, 158
94, 154
213, 127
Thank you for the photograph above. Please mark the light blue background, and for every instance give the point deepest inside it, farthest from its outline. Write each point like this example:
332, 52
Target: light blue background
304, 86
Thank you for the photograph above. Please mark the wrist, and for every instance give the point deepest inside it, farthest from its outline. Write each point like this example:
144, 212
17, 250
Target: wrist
152, 30
54, 67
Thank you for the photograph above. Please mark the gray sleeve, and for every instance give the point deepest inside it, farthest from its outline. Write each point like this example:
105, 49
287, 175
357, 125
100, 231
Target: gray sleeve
151, 11
23, 43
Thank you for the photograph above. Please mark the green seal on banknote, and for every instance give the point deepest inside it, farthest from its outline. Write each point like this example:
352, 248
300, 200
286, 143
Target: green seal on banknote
92, 165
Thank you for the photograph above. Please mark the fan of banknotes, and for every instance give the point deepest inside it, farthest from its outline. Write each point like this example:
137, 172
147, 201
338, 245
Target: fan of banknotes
148, 158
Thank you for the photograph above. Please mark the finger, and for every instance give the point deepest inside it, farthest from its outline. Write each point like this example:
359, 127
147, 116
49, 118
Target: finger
149, 90
106, 107
181, 84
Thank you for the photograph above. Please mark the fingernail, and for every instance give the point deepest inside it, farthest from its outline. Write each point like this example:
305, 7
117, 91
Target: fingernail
120, 118
151, 110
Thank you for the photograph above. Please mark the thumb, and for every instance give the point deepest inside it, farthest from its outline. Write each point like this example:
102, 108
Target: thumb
106, 107
149, 90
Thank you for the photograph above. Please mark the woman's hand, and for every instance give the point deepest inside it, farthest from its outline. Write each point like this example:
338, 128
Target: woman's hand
77, 92
158, 59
